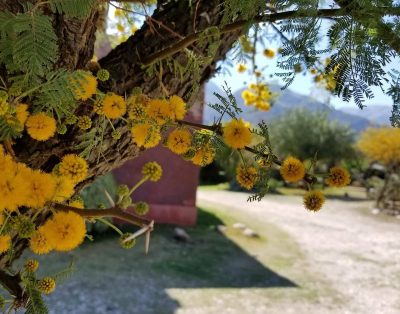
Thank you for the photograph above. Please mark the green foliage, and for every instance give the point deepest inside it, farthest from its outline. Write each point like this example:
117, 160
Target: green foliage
306, 134
9, 128
94, 194
73, 8
28, 43
35, 305
55, 96
228, 104
394, 92
242, 9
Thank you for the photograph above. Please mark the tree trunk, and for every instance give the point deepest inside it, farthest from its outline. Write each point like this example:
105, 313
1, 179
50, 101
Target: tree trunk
76, 42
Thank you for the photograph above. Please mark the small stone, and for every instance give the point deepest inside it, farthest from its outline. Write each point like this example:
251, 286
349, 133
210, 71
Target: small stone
181, 235
250, 233
375, 211
221, 228
239, 225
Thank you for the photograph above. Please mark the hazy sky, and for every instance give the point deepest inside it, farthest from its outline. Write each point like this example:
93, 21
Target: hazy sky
302, 84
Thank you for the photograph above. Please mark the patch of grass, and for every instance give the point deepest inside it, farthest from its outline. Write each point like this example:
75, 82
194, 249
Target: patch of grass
113, 279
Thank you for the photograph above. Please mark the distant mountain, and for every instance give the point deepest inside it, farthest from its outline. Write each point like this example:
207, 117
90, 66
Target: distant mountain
376, 114
286, 100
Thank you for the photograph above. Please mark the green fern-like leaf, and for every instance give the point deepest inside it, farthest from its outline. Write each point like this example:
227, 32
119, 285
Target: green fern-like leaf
73, 8
35, 45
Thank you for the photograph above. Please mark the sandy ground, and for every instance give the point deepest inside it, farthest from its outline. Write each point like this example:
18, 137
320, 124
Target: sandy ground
356, 254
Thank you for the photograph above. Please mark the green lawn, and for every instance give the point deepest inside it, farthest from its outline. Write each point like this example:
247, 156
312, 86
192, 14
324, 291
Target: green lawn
110, 279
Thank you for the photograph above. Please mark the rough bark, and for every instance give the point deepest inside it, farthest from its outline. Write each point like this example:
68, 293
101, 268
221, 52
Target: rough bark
76, 48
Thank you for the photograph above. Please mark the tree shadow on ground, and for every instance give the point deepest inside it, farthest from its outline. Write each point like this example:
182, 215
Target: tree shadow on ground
112, 280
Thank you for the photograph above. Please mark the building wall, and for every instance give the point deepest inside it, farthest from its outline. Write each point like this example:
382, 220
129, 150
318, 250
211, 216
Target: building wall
173, 198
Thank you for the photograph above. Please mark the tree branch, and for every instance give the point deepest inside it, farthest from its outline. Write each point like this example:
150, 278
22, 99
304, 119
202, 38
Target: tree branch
115, 212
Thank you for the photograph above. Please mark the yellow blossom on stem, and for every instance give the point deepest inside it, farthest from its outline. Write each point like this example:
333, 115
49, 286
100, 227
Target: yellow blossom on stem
292, 169
146, 135
46, 285
178, 107
152, 171
269, 53
113, 106
204, 155
64, 188
241, 68
313, 200
65, 230
84, 86
21, 112
40, 126
5, 243
159, 110
73, 167
179, 141
31, 265
41, 188
237, 134
246, 176
14, 187
338, 177
39, 243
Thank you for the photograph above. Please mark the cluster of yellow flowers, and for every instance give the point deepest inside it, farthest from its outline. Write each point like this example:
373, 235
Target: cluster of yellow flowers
21, 186
327, 80
237, 135
258, 95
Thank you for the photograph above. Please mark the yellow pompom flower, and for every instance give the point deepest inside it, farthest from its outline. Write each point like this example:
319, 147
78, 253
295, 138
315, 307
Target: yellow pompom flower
178, 107
292, 169
246, 176
313, 200
262, 105
114, 106
40, 126
269, 53
5, 243
204, 156
237, 134
64, 188
84, 122
136, 106
46, 285
179, 141
241, 68
31, 265
84, 86
14, 188
41, 188
159, 110
120, 28
73, 167
21, 112
39, 243
65, 231
146, 135
248, 97
152, 170
338, 177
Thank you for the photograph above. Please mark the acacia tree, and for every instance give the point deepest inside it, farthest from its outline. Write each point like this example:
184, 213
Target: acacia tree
141, 90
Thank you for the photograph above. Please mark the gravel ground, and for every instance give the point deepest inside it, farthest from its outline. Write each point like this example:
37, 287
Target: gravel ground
356, 254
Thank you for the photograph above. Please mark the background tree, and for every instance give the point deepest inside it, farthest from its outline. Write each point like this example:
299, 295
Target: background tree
307, 135
45, 45
382, 145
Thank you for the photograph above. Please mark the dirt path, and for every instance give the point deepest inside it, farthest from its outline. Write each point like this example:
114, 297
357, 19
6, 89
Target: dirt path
358, 255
